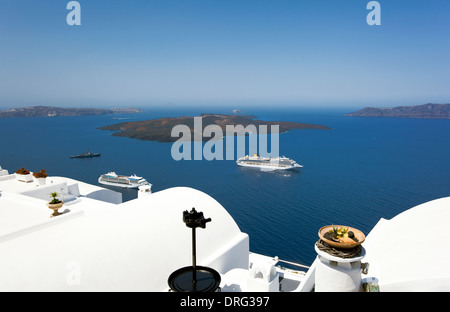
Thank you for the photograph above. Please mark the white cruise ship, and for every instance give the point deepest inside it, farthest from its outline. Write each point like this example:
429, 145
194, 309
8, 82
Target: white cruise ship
267, 163
113, 179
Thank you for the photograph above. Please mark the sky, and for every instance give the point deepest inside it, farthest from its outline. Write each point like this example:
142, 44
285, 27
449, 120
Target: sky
319, 53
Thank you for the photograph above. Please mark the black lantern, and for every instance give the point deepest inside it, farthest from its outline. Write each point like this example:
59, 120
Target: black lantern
194, 278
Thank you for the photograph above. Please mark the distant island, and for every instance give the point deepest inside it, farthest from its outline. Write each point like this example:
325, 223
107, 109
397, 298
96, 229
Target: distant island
51, 111
160, 129
436, 111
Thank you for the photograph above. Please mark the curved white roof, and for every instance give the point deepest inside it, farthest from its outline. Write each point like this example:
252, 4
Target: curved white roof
411, 252
133, 246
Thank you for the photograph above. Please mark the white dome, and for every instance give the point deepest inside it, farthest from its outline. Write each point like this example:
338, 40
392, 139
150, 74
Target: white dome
133, 246
410, 252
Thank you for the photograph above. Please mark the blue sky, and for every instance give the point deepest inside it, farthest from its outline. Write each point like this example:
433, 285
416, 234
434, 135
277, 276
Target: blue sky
213, 52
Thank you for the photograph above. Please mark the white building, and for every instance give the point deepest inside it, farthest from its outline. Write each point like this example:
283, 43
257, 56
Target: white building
102, 244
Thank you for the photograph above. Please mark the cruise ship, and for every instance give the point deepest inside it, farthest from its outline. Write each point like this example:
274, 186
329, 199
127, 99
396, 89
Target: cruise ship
113, 179
99, 243
267, 163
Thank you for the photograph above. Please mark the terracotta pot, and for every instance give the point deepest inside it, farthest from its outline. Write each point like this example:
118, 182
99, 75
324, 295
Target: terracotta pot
55, 208
360, 237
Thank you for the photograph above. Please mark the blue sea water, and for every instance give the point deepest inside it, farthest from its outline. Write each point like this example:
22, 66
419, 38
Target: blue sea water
362, 170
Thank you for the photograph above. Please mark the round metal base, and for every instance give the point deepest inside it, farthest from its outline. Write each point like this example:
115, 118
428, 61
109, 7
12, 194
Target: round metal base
182, 280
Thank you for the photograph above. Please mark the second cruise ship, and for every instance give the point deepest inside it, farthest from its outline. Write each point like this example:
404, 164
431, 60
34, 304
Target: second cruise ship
268, 163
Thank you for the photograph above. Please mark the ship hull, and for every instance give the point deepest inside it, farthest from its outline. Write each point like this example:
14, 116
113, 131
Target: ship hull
129, 186
84, 156
267, 167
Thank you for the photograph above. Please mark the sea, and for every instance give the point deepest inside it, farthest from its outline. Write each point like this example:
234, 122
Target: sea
359, 171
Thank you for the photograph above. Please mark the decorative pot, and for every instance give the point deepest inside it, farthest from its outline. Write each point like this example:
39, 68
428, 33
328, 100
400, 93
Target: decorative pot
358, 239
24, 177
40, 181
55, 208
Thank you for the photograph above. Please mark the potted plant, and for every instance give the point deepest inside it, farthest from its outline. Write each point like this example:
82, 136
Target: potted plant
40, 177
341, 236
55, 204
24, 175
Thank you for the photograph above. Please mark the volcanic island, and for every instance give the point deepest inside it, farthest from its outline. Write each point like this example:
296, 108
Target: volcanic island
161, 129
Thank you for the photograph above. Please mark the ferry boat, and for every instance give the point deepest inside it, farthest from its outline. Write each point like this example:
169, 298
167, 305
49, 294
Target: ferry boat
268, 163
113, 179
89, 154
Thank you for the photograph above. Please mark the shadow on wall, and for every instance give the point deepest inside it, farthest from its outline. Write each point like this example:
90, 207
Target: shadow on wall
106, 196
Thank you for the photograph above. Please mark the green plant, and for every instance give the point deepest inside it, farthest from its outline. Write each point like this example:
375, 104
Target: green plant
54, 200
339, 232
